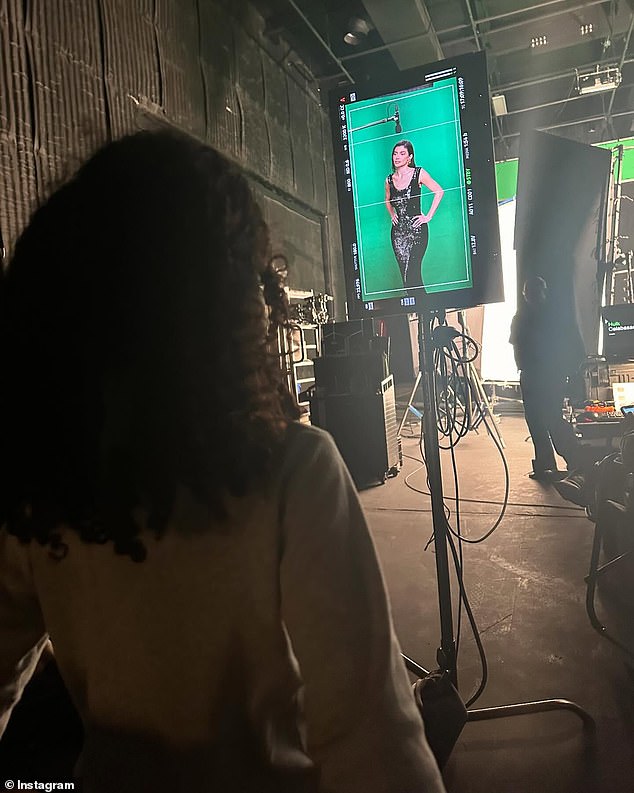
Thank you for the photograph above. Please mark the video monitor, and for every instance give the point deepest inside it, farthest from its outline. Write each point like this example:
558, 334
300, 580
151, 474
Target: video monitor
618, 331
416, 188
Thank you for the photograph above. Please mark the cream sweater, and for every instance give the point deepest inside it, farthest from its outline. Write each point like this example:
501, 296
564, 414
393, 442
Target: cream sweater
258, 655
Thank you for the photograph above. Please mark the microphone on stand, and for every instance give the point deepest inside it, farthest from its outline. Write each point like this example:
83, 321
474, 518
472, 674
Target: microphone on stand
397, 119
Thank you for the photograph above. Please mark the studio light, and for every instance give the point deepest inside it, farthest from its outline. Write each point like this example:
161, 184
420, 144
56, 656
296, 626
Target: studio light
539, 41
358, 29
602, 78
498, 103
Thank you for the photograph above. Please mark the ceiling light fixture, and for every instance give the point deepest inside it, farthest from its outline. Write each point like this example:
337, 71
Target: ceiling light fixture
586, 29
539, 41
602, 78
358, 29
498, 101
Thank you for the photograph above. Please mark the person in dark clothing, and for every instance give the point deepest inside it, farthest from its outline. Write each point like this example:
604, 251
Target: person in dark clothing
547, 352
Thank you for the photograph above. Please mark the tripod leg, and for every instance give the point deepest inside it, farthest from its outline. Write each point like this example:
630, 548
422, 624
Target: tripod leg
524, 708
413, 667
484, 404
409, 404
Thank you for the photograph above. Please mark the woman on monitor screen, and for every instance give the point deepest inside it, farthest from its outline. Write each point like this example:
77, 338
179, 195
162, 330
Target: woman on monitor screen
410, 234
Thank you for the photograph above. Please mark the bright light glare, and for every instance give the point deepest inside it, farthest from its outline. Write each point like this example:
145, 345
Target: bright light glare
497, 354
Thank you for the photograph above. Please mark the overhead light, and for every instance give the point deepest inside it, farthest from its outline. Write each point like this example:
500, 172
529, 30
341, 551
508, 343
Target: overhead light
539, 41
358, 29
586, 29
602, 78
498, 103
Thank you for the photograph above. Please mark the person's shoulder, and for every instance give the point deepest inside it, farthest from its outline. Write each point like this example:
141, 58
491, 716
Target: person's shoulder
309, 455
308, 440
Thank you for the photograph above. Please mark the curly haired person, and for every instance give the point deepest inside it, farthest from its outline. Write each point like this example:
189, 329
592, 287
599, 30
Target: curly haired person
198, 558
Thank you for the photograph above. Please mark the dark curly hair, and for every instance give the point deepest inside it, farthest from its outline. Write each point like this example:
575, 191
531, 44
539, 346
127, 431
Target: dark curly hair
138, 320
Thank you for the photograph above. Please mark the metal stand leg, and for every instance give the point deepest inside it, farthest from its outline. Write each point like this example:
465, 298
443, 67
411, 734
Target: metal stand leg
595, 571
410, 405
525, 708
482, 400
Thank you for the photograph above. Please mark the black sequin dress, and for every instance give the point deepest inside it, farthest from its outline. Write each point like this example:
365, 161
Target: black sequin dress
409, 243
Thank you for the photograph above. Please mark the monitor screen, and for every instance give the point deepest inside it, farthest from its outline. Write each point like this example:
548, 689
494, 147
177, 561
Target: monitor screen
416, 187
618, 331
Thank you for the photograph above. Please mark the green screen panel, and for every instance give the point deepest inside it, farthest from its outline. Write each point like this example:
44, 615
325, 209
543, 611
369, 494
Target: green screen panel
506, 171
506, 179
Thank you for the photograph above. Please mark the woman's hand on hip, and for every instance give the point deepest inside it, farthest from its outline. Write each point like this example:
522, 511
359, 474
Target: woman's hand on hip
418, 220
395, 219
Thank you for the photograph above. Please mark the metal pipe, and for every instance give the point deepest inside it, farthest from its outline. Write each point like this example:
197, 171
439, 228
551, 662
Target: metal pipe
622, 61
417, 36
593, 118
496, 119
577, 121
555, 102
446, 658
319, 38
616, 217
511, 25
472, 22
502, 16
548, 77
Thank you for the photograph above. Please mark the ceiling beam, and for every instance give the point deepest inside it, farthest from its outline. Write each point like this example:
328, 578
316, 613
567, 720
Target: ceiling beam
556, 102
586, 120
320, 39
496, 118
397, 18
516, 12
621, 62
512, 25
547, 78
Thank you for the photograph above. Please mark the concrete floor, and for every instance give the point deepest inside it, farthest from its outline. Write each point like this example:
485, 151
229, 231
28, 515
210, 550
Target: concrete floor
526, 587
527, 591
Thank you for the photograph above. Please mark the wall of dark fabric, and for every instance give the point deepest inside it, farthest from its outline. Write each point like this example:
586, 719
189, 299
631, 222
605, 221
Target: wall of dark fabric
74, 73
560, 229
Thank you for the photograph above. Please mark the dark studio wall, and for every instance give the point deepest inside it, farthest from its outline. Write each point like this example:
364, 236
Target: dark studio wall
74, 73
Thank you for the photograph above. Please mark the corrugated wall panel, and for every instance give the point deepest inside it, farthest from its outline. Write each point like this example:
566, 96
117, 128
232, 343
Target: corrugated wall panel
300, 137
68, 69
256, 151
298, 238
218, 63
67, 85
178, 36
131, 62
317, 148
276, 119
17, 163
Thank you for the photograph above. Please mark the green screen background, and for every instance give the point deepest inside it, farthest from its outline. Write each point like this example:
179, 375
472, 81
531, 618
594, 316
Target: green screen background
506, 171
430, 120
